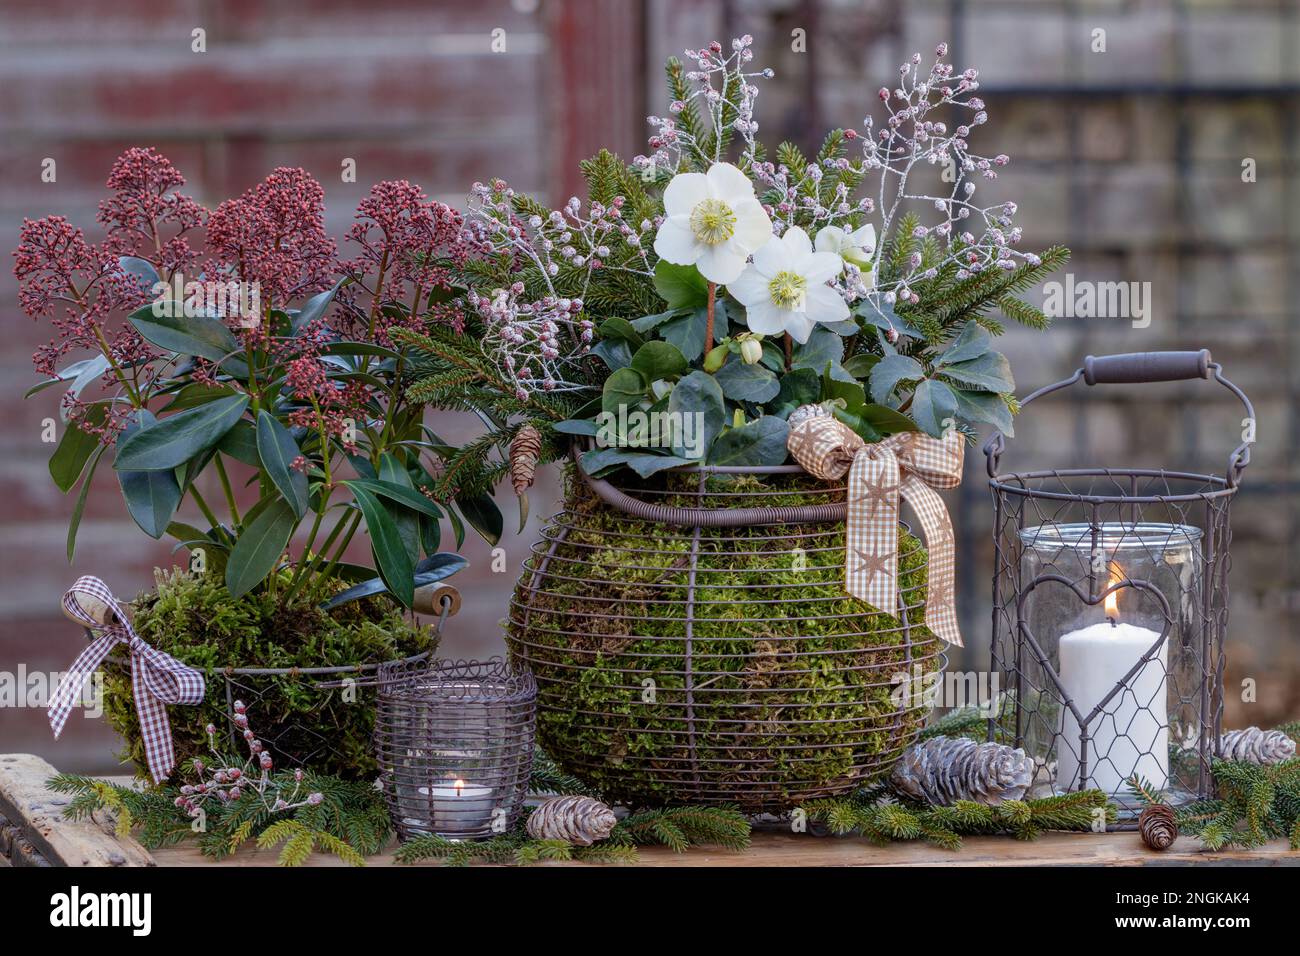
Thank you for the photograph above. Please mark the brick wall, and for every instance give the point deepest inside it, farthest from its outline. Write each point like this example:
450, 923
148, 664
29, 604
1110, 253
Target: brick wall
1132, 157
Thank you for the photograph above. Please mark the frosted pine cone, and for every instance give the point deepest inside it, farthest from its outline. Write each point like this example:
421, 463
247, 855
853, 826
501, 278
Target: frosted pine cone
1261, 747
942, 770
525, 448
577, 820
805, 412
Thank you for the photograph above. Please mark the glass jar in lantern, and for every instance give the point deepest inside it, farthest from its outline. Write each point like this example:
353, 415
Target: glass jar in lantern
1110, 608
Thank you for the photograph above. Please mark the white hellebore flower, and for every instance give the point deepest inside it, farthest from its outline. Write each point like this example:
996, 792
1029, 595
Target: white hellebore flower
712, 221
785, 290
856, 247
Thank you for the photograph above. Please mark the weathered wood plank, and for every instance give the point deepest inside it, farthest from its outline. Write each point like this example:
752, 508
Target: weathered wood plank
38, 814
787, 849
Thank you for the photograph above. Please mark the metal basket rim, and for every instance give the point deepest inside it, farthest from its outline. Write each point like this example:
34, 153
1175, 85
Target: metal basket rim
1003, 483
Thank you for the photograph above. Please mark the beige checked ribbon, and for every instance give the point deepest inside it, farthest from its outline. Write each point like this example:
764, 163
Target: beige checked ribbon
910, 465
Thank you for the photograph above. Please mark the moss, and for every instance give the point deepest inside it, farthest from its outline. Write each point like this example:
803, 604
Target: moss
790, 683
194, 618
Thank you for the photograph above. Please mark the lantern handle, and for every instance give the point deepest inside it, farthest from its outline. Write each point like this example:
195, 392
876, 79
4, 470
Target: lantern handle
1142, 368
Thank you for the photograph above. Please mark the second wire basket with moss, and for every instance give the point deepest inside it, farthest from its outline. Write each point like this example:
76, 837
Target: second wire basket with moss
692, 641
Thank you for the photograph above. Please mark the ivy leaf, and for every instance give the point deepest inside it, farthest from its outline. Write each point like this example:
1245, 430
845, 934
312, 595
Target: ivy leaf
973, 341
891, 370
258, 548
601, 461
748, 383
934, 405
682, 287
151, 496
276, 450
659, 360
991, 372
697, 395
760, 442
175, 440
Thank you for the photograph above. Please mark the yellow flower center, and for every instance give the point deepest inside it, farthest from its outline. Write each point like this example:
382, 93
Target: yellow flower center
788, 290
713, 221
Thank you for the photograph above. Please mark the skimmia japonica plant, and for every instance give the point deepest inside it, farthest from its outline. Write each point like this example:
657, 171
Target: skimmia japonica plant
719, 287
237, 341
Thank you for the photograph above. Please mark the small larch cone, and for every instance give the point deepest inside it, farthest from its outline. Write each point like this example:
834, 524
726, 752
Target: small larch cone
525, 448
942, 770
1261, 747
1157, 826
577, 820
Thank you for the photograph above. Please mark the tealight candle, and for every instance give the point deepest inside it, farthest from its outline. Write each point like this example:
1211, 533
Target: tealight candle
459, 807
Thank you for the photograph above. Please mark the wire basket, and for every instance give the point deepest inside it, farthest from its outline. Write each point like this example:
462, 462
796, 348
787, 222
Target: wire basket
454, 741
692, 641
1110, 599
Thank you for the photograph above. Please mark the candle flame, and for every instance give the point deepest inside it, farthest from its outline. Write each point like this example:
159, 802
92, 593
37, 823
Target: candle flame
459, 785
1112, 599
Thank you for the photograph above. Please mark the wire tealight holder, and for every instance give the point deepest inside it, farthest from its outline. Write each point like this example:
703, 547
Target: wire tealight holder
454, 741
1110, 606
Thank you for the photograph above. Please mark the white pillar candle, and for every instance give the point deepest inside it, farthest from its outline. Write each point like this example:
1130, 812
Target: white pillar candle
1131, 735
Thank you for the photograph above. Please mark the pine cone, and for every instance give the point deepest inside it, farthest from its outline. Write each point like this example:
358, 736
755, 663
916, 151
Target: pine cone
805, 412
1261, 747
1157, 826
525, 448
577, 820
943, 770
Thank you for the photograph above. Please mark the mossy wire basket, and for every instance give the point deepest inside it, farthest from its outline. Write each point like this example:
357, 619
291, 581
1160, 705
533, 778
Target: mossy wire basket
692, 641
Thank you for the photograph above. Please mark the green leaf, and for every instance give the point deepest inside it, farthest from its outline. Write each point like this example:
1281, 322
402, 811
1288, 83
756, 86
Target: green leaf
822, 346
177, 439
601, 461
276, 449
72, 373
973, 342
615, 353
75, 448
760, 442
620, 330
315, 307
142, 269
391, 557
991, 372
189, 335
195, 394
258, 548
801, 386
857, 422
152, 497
985, 407
409, 498
860, 365
748, 383
687, 331
885, 420
483, 516
576, 426
659, 360
431, 570
881, 314
648, 323
891, 370
682, 287
933, 406
240, 443
358, 348
852, 393
697, 395
627, 387
79, 508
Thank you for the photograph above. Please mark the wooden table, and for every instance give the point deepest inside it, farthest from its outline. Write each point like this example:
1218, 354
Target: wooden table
37, 814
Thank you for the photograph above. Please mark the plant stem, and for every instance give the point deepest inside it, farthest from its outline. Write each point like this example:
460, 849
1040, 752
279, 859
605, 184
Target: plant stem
203, 506
225, 487
338, 554
708, 318
789, 351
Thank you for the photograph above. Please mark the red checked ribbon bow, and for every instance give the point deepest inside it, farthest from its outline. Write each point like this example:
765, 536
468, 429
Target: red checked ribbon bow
910, 465
157, 679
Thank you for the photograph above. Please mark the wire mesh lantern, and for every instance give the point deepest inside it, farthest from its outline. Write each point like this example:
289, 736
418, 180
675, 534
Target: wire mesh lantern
692, 641
454, 741
1110, 605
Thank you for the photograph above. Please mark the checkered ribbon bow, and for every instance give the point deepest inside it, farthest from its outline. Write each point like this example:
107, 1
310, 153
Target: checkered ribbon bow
910, 465
157, 679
